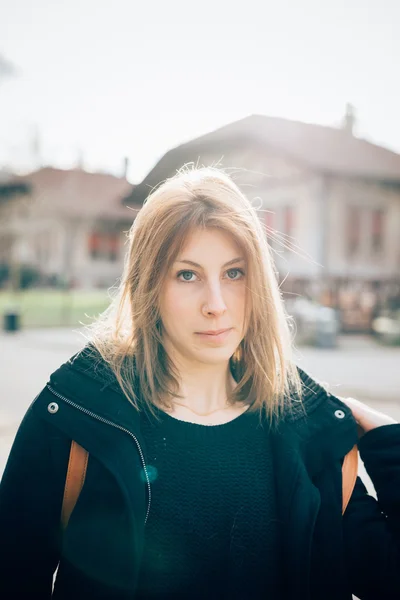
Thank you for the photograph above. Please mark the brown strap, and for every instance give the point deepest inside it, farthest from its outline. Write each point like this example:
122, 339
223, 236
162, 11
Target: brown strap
349, 476
78, 459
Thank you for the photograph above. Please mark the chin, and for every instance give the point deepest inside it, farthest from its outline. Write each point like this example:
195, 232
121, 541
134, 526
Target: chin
218, 355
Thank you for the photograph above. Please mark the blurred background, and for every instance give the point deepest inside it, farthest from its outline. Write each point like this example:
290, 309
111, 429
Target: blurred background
297, 100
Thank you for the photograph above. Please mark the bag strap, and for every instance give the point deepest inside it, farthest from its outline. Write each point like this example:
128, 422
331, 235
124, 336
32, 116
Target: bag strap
77, 465
78, 459
349, 476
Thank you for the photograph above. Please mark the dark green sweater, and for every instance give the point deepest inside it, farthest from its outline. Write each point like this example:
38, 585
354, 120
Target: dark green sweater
212, 530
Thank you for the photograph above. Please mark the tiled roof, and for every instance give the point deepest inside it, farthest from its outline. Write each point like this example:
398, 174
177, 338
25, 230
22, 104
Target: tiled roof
79, 193
326, 149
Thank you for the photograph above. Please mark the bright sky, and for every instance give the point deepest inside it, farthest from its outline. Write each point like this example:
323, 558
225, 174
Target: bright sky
109, 79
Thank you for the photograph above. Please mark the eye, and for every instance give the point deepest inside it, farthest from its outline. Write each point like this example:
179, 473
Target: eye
186, 276
235, 274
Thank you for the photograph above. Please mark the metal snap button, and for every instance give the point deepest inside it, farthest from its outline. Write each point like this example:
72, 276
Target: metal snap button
339, 414
53, 407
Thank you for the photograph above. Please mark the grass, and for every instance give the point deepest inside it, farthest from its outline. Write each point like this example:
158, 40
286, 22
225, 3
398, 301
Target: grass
54, 308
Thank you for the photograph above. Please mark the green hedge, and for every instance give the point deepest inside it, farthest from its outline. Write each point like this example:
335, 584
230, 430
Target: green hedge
54, 308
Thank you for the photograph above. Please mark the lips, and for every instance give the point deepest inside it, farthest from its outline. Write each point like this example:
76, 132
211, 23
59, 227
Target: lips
215, 332
216, 337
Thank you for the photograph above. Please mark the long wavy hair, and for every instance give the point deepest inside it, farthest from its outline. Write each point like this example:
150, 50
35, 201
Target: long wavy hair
129, 334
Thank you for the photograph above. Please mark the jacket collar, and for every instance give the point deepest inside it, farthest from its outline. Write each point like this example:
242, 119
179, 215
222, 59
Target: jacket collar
90, 383
317, 419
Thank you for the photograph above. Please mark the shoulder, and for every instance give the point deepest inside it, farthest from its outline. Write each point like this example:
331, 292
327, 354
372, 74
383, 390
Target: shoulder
84, 380
85, 370
315, 398
319, 419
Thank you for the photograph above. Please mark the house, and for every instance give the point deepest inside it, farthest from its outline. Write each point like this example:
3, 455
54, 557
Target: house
329, 200
69, 227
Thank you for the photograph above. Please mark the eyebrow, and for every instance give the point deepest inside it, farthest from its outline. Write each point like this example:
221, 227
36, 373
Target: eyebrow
194, 264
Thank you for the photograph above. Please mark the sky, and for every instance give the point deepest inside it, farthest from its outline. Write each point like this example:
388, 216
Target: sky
96, 82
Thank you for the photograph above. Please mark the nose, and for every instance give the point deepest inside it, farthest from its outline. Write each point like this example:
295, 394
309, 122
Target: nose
214, 303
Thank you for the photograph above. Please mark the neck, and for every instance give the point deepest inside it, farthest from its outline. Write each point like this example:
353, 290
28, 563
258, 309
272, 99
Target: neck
204, 389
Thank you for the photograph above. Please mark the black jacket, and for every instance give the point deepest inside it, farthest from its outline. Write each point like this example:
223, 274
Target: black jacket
325, 556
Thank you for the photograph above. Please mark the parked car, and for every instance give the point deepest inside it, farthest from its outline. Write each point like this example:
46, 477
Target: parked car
387, 327
315, 324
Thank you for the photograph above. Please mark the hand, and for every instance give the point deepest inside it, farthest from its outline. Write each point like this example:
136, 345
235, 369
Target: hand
367, 418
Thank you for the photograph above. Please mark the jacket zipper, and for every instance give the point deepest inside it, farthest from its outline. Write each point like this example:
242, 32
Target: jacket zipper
107, 422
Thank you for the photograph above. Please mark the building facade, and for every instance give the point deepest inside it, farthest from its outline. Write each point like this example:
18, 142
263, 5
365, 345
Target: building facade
70, 227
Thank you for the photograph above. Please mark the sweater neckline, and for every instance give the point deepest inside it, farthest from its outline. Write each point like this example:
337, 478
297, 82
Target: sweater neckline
168, 416
190, 431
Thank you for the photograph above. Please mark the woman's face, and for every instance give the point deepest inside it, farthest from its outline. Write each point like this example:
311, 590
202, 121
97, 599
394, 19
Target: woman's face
204, 293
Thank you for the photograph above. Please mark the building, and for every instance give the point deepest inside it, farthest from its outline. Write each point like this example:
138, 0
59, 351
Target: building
329, 200
69, 226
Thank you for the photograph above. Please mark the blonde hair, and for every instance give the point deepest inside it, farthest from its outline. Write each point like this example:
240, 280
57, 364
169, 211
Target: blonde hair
128, 335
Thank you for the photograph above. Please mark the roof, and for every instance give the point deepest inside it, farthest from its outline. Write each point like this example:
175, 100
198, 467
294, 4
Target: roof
79, 193
326, 149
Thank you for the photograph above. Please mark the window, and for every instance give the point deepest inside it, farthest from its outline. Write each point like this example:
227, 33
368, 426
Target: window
288, 221
113, 246
269, 219
287, 228
280, 224
104, 245
353, 230
94, 245
377, 230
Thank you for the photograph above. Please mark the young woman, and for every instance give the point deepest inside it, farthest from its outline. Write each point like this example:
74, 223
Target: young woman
215, 465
